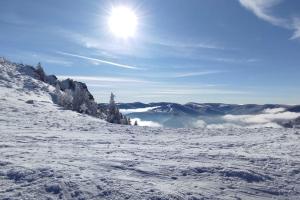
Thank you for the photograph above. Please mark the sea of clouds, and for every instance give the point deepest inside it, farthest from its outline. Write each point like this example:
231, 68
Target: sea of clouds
272, 118
269, 118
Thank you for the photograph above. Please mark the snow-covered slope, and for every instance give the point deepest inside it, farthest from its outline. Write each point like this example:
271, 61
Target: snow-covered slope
50, 153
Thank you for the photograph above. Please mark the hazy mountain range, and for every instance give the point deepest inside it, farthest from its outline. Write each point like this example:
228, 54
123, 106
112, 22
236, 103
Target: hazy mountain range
195, 115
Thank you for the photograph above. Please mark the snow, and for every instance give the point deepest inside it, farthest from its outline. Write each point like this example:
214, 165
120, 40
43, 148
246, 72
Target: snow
50, 153
137, 110
145, 122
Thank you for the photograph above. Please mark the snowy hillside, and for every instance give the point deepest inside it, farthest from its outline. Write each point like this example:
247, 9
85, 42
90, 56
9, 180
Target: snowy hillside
47, 152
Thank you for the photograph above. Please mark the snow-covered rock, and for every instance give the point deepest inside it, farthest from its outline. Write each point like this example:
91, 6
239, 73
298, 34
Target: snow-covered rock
81, 100
67, 93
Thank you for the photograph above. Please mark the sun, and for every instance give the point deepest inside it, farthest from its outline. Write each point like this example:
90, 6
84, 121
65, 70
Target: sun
122, 22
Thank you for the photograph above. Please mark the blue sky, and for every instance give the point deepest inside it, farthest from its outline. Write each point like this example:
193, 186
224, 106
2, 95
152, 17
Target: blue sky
229, 51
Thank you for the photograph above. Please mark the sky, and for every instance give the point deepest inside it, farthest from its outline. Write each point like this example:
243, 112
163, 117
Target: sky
219, 51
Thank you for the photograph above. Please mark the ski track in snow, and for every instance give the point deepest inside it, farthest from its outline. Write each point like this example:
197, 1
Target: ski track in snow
50, 153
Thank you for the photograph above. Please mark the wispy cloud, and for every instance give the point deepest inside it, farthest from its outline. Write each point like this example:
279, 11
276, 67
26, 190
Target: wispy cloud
103, 79
44, 58
263, 10
98, 60
186, 44
144, 47
233, 60
296, 25
100, 85
201, 73
59, 62
199, 91
104, 46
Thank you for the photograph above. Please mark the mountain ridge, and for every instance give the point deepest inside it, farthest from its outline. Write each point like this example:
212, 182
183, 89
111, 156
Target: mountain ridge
215, 108
176, 115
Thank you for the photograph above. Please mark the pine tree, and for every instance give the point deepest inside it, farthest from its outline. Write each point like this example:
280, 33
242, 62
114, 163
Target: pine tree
114, 115
129, 121
40, 72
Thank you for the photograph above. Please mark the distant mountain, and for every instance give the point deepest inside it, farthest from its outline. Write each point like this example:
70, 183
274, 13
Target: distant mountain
206, 109
192, 114
294, 109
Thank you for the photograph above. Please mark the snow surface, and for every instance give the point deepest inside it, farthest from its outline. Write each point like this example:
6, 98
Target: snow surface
50, 153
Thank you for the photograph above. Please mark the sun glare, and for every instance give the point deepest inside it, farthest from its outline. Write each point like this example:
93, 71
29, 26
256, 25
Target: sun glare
122, 22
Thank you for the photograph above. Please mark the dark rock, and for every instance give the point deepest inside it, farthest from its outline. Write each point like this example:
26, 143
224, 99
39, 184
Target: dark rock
30, 102
19, 174
53, 188
51, 79
248, 176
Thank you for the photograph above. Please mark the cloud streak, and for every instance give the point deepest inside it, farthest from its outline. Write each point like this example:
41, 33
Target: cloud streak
263, 10
98, 60
199, 91
145, 47
296, 25
190, 74
103, 79
186, 45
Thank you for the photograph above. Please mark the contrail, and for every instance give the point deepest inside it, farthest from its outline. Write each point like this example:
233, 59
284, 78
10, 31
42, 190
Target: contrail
98, 60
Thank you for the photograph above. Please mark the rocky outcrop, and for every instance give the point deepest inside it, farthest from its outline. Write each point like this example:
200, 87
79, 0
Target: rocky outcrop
69, 94
75, 95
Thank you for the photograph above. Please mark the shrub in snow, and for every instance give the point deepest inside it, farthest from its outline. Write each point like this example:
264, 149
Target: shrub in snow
63, 98
3, 60
83, 108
